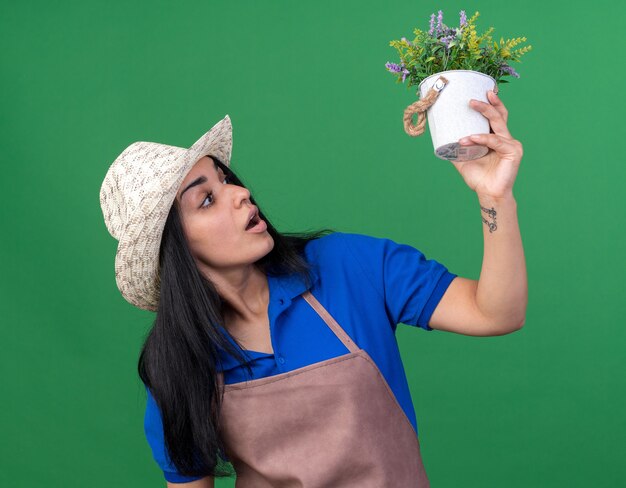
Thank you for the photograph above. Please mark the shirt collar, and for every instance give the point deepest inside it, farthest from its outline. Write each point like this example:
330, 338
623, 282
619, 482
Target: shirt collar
292, 285
280, 287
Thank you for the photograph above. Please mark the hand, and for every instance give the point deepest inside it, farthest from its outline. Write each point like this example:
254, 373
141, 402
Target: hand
492, 175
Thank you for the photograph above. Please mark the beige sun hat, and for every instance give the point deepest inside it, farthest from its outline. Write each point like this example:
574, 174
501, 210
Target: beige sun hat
136, 196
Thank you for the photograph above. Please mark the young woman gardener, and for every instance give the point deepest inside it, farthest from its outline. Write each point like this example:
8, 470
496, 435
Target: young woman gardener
275, 353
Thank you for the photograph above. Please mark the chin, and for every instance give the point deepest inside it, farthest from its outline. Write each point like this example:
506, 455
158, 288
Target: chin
268, 249
270, 239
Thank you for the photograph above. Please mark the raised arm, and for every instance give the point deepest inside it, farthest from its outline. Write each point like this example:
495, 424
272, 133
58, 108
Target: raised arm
496, 303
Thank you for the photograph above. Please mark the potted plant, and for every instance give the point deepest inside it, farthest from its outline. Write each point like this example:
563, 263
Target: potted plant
450, 67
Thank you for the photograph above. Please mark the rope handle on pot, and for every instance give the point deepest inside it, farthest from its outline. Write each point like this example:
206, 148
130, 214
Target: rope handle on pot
420, 107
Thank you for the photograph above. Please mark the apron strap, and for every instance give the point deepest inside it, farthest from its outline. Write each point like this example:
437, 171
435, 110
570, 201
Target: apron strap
330, 321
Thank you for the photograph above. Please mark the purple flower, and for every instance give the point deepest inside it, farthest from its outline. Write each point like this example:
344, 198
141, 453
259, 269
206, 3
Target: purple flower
463, 18
393, 68
439, 22
446, 40
432, 25
505, 68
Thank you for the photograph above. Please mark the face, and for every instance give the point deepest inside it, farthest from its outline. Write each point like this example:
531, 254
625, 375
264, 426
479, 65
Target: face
214, 214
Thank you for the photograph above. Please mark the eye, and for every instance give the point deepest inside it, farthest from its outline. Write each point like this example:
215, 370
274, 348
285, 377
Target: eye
225, 181
202, 205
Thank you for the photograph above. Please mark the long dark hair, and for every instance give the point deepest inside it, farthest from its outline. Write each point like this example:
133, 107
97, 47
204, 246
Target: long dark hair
179, 359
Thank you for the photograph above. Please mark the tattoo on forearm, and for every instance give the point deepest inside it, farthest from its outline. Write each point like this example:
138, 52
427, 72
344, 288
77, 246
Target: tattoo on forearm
492, 213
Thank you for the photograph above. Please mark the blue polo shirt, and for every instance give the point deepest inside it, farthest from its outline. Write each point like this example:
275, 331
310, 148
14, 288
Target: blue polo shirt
369, 285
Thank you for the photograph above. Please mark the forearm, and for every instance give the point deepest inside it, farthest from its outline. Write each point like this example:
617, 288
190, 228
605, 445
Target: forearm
502, 292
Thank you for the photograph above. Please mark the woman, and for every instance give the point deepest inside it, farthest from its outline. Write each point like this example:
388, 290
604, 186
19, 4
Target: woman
273, 352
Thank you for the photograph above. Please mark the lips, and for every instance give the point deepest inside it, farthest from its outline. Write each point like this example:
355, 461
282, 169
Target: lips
252, 217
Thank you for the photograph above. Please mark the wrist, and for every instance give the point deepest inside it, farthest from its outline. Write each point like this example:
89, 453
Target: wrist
491, 200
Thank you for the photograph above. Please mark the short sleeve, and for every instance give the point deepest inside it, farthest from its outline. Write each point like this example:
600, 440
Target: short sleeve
153, 427
410, 284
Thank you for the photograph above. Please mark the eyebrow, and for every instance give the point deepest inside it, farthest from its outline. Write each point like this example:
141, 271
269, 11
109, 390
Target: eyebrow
198, 181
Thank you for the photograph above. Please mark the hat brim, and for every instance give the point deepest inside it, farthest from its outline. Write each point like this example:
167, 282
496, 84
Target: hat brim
137, 257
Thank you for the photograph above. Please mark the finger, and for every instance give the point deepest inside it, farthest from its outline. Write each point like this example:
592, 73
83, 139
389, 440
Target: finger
494, 99
496, 121
499, 144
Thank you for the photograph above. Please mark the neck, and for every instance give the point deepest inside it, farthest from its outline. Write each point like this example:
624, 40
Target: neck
246, 297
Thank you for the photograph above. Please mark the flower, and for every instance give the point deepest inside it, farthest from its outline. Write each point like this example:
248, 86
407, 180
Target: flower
432, 25
439, 22
505, 68
463, 19
446, 40
405, 72
393, 68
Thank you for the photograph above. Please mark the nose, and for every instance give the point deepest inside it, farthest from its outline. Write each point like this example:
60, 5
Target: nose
241, 196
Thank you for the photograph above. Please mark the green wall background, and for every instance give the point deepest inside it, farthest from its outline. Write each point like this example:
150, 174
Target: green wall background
318, 138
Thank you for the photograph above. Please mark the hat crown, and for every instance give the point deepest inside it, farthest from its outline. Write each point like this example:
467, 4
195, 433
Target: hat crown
137, 172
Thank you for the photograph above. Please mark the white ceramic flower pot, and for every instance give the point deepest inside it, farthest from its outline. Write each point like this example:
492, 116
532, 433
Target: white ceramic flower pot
450, 118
